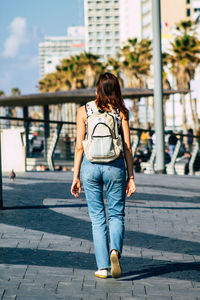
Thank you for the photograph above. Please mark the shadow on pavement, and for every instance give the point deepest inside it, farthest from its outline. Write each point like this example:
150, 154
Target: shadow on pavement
18, 213
184, 271
134, 267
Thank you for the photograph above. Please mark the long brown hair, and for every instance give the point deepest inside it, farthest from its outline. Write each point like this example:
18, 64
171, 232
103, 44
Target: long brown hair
109, 93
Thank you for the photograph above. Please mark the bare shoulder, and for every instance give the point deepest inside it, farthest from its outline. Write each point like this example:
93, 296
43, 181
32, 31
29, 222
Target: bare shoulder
122, 116
81, 113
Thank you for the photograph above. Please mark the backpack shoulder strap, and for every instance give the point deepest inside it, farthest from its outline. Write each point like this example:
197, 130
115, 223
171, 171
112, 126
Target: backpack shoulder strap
90, 108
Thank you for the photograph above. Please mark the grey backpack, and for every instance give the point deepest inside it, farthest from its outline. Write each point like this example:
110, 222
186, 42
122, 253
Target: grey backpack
103, 142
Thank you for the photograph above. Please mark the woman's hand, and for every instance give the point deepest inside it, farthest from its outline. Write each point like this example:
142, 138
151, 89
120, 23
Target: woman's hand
130, 187
76, 187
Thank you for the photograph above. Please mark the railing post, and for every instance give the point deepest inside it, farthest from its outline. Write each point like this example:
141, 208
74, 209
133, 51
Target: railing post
26, 126
1, 190
46, 128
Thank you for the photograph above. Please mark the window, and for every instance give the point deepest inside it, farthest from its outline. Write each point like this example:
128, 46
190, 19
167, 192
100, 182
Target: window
188, 12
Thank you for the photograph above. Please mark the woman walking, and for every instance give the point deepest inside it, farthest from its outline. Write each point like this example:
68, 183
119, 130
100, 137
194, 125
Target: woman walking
103, 156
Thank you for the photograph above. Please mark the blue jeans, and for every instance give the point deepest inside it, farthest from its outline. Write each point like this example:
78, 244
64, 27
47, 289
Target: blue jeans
112, 175
171, 150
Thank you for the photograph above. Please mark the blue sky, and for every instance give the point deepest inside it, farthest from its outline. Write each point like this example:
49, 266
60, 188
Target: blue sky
23, 24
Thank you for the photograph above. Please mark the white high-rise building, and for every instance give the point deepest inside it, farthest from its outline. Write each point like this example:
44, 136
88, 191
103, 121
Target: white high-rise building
54, 49
102, 22
172, 12
109, 23
146, 19
130, 19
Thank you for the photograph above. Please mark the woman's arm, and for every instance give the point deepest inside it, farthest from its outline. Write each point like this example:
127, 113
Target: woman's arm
80, 135
130, 187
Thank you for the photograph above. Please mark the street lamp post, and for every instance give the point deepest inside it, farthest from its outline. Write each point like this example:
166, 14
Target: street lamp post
1, 192
158, 87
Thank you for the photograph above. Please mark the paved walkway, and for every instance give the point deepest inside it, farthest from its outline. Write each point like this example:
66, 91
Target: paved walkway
46, 249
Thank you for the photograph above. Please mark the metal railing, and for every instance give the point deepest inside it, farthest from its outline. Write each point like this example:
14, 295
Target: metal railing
61, 143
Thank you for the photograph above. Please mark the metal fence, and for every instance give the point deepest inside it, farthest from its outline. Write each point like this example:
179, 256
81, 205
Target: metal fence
50, 146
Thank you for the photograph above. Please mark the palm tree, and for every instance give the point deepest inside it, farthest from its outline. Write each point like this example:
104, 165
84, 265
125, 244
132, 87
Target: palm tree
15, 91
78, 71
136, 62
48, 83
92, 68
69, 72
13, 111
114, 65
2, 93
183, 59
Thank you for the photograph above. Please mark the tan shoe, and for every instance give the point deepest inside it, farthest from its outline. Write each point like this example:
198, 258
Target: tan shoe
101, 273
116, 270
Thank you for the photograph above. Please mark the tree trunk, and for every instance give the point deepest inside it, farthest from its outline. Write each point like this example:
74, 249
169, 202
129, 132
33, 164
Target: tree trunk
196, 114
136, 122
164, 110
195, 124
184, 119
152, 110
146, 112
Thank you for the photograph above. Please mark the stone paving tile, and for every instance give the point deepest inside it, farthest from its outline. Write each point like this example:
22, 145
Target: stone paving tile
2, 291
47, 253
10, 297
159, 297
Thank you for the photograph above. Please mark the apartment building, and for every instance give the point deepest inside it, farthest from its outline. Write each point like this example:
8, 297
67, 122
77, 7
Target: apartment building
172, 12
130, 19
102, 23
54, 49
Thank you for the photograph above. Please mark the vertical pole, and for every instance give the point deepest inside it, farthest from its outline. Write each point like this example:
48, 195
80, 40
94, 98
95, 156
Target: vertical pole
26, 126
1, 190
46, 128
146, 112
158, 88
173, 112
173, 106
